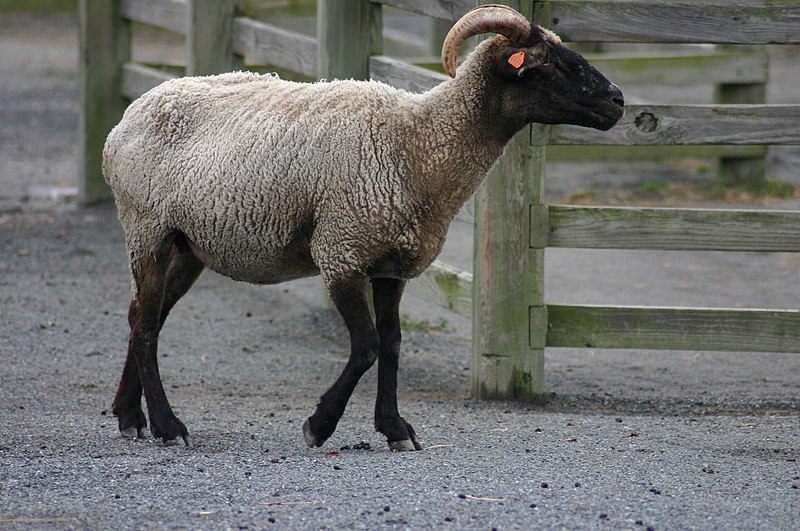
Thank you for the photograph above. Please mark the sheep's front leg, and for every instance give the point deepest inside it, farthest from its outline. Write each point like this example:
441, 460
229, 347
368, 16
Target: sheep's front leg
350, 299
399, 433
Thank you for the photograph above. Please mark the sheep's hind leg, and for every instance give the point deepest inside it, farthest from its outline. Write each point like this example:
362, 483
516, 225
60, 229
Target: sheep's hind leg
350, 299
399, 433
149, 305
127, 405
184, 268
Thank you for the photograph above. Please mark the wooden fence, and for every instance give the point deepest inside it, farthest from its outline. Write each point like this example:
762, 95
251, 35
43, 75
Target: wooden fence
512, 324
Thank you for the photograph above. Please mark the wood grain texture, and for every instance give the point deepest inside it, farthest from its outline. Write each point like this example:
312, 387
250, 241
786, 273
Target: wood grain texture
262, 43
170, 15
209, 37
348, 32
712, 21
442, 9
403, 75
508, 279
675, 229
104, 47
674, 328
692, 124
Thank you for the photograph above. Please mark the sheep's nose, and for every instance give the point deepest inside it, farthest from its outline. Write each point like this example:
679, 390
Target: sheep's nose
616, 95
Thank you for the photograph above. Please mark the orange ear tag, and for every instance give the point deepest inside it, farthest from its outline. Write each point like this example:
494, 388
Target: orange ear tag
516, 59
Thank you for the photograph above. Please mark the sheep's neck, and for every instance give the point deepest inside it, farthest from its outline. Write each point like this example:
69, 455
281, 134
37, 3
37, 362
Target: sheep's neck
461, 144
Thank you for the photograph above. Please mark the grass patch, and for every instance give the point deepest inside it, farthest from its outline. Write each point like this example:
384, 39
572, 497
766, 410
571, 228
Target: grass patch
424, 325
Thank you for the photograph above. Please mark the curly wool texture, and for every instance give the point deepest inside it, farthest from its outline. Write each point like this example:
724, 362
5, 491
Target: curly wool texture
271, 180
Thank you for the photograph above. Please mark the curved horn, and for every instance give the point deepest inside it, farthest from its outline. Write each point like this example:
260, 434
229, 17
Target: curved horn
488, 18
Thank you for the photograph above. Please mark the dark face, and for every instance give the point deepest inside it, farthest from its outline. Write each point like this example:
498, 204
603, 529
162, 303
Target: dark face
550, 84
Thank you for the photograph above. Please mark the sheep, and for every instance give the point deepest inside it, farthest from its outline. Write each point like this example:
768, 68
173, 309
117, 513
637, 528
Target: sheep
265, 180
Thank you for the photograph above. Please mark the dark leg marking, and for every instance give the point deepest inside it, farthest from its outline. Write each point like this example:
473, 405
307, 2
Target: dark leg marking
350, 299
399, 433
160, 282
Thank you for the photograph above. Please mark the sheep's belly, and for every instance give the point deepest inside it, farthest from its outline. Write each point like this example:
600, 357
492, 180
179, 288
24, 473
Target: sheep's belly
262, 267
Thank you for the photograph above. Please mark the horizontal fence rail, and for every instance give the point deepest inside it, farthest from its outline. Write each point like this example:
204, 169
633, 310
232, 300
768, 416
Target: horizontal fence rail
692, 124
679, 328
716, 22
441, 9
267, 44
170, 15
671, 229
403, 75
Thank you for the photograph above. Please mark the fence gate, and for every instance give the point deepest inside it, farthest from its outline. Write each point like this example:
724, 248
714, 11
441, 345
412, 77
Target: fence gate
512, 324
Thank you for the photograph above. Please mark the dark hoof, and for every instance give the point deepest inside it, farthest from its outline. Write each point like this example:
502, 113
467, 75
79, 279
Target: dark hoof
407, 445
311, 439
399, 433
169, 429
132, 424
176, 442
133, 433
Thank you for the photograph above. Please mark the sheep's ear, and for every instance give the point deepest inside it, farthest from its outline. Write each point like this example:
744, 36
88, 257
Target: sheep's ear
517, 62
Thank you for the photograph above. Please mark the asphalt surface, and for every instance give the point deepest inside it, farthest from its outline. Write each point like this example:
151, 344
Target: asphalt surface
629, 439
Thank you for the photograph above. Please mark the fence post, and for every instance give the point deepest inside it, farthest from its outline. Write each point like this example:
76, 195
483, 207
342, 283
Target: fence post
509, 316
348, 32
104, 48
741, 170
209, 37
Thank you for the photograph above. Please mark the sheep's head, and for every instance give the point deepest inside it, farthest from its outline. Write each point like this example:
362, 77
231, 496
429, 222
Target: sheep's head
537, 78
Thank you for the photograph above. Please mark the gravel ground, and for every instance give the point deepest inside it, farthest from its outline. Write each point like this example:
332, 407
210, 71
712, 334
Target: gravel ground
629, 440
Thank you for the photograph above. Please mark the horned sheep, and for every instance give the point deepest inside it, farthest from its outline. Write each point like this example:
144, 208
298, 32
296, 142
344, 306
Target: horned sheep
265, 180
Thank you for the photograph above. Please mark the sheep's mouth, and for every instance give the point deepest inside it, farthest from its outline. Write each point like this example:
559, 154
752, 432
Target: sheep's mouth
604, 116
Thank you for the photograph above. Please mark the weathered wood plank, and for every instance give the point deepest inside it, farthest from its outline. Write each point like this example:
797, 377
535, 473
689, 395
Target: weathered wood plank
171, 15
674, 328
444, 286
138, 79
692, 124
209, 36
403, 75
701, 68
508, 279
442, 9
262, 43
104, 46
676, 229
724, 22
